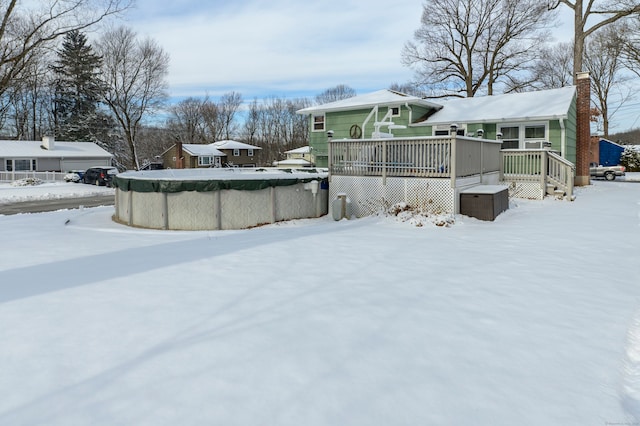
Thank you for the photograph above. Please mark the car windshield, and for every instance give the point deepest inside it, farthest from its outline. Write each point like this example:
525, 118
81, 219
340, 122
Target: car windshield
112, 171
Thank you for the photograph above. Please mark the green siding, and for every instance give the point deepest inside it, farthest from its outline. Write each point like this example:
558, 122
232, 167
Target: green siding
571, 131
341, 122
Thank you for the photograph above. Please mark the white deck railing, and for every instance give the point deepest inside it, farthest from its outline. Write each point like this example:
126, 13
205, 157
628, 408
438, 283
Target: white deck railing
537, 165
429, 157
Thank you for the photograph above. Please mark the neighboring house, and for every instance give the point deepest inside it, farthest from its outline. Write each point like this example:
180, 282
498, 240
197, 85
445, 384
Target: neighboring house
218, 154
192, 156
299, 157
523, 120
239, 154
50, 156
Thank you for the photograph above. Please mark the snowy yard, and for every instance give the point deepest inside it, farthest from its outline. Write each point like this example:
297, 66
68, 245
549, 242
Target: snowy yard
533, 319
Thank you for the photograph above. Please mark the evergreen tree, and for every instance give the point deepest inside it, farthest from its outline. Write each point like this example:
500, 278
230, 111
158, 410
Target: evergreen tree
78, 90
630, 159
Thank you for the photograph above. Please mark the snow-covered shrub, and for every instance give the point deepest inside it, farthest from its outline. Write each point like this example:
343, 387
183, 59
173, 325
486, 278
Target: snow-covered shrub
630, 159
417, 216
27, 182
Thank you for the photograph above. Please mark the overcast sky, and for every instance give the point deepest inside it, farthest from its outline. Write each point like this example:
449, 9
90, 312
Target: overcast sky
284, 48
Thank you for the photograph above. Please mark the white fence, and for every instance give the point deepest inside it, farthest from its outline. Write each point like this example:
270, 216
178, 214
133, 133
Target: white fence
45, 176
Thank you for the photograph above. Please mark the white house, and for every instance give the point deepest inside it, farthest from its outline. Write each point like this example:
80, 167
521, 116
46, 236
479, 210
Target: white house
50, 155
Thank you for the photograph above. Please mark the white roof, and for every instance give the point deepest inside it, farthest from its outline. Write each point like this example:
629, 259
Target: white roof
383, 97
229, 144
202, 150
294, 162
301, 150
526, 106
34, 149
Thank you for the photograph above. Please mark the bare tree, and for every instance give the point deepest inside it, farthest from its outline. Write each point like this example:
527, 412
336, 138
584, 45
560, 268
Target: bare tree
187, 121
604, 63
554, 68
464, 47
26, 26
135, 73
601, 13
227, 109
339, 92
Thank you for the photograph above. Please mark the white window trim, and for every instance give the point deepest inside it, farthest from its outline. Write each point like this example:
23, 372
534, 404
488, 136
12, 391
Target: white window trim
250, 152
313, 122
399, 111
201, 159
33, 164
521, 131
236, 152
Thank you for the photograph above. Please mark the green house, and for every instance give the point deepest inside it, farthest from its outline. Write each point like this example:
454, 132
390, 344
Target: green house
528, 120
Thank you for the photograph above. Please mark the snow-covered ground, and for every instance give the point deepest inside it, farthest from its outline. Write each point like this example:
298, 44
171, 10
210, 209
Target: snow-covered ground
533, 319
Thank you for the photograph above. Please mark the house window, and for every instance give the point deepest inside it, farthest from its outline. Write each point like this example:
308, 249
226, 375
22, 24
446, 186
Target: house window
519, 136
395, 112
510, 137
318, 123
236, 152
204, 160
445, 132
21, 165
250, 152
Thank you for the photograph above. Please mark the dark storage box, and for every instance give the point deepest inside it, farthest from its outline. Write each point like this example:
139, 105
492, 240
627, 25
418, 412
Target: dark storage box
484, 202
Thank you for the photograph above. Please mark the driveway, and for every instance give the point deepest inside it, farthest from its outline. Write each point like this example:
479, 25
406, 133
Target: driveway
56, 204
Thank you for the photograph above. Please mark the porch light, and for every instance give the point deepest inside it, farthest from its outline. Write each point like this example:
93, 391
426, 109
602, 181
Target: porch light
329, 134
480, 133
498, 135
453, 129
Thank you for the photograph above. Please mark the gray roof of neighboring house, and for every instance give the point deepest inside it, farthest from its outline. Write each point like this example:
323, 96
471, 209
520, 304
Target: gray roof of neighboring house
383, 97
230, 144
35, 149
202, 150
526, 106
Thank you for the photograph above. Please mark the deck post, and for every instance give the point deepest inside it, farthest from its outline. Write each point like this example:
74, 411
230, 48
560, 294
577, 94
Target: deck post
384, 163
543, 172
454, 132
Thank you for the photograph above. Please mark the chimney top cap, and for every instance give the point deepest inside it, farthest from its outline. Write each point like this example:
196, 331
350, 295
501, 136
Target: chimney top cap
582, 75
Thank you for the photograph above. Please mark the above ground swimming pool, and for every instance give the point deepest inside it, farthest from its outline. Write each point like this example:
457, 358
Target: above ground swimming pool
210, 199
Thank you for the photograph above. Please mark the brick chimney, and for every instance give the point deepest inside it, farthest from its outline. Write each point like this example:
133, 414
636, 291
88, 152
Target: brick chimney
583, 128
179, 156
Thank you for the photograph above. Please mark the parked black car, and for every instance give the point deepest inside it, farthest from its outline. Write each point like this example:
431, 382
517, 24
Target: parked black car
101, 176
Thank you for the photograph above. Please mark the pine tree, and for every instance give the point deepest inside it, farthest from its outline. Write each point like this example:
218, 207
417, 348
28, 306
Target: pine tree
630, 159
78, 90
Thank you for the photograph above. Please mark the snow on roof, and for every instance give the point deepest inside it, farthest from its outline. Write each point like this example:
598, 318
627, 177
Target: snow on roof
301, 150
293, 162
202, 150
230, 144
383, 97
248, 173
34, 149
525, 106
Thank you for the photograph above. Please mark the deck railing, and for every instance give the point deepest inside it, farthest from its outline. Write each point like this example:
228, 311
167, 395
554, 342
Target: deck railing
537, 165
432, 157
